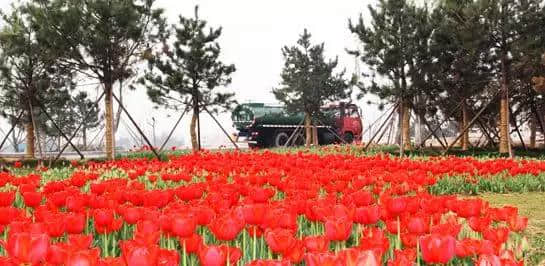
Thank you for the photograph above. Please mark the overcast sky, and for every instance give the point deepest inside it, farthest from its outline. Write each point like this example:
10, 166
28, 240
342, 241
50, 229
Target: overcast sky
253, 34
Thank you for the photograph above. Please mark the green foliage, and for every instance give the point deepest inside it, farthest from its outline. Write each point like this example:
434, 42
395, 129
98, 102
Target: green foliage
493, 184
189, 68
309, 80
100, 39
27, 71
396, 47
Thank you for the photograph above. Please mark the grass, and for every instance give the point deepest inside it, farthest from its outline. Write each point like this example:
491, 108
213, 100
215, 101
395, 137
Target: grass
532, 205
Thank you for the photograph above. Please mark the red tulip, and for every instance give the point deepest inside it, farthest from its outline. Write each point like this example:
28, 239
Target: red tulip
269, 263
488, 260
316, 244
367, 215
7, 198
212, 256
518, 223
103, 217
497, 235
280, 240
296, 253
338, 229
226, 227
356, 257
89, 257
479, 224
320, 259
32, 199
183, 226
168, 258
254, 213
191, 243
27, 248
135, 254
437, 248
403, 257
418, 225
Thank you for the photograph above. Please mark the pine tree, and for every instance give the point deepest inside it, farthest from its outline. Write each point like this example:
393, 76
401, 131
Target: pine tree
309, 81
99, 39
396, 48
506, 23
189, 72
462, 60
27, 72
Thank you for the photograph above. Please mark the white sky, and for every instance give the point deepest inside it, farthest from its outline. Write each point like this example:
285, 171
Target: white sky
253, 33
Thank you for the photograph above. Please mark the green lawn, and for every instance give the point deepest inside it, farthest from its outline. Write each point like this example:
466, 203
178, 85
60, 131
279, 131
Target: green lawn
532, 205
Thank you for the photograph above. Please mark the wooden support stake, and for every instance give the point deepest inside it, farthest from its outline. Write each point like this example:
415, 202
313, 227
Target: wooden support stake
381, 126
11, 129
433, 131
172, 131
137, 127
517, 128
60, 131
221, 127
77, 129
470, 124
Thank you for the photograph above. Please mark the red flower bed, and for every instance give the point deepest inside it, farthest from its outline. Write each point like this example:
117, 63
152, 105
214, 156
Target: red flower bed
258, 209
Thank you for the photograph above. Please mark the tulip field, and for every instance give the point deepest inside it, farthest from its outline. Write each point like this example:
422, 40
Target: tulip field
266, 208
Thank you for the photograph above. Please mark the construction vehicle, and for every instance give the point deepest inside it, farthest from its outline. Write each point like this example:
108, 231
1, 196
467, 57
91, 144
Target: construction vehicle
261, 125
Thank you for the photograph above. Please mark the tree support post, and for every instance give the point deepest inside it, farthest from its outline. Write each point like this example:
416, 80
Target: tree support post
538, 118
172, 131
294, 133
517, 128
470, 124
381, 126
221, 127
60, 131
77, 129
433, 131
137, 127
11, 129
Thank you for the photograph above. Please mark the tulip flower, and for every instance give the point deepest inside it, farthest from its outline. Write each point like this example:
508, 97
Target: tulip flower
437, 248
27, 248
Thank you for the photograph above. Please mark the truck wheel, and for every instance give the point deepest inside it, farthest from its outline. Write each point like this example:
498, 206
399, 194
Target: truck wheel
280, 139
348, 137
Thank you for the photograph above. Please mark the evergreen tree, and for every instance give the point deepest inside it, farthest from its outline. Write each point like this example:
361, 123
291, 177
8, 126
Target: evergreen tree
99, 39
462, 60
27, 72
309, 81
507, 23
396, 48
189, 72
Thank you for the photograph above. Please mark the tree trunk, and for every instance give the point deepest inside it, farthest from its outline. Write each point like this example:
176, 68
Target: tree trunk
533, 129
84, 137
464, 141
109, 129
504, 108
406, 123
30, 140
193, 132
315, 135
308, 130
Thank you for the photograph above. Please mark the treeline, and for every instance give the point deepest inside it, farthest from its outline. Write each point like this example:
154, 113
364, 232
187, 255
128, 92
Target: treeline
474, 61
478, 62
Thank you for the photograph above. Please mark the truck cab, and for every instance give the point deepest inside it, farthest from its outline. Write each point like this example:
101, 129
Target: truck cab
348, 123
